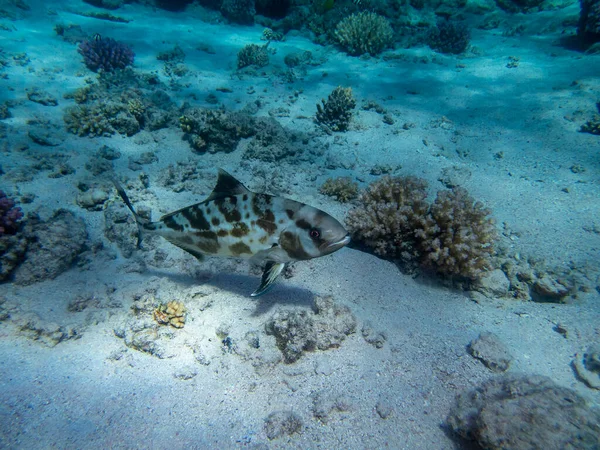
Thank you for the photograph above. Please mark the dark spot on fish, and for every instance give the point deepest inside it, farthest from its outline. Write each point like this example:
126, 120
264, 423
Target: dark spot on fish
239, 248
267, 222
281, 221
208, 211
253, 223
259, 203
303, 223
227, 207
215, 221
263, 240
170, 222
289, 213
240, 229
195, 217
223, 233
290, 242
247, 215
245, 197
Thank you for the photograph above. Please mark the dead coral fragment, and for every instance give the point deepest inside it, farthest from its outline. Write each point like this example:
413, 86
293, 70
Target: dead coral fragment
592, 126
336, 112
342, 188
364, 32
173, 313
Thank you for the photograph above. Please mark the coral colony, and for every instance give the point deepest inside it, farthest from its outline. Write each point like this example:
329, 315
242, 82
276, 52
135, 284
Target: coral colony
9, 215
105, 54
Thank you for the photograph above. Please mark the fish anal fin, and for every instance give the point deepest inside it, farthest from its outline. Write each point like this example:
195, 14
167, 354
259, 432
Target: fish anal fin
195, 253
227, 186
269, 276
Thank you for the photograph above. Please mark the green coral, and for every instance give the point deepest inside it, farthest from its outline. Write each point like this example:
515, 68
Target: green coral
454, 236
336, 112
364, 32
342, 188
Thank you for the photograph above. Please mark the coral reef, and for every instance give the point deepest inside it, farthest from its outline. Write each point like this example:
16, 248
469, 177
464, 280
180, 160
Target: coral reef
239, 11
172, 313
53, 247
105, 54
299, 331
592, 126
210, 130
448, 37
336, 112
119, 102
342, 188
87, 121
589, 21
454, 236
364, 32
10, 215
525, 412
253, 55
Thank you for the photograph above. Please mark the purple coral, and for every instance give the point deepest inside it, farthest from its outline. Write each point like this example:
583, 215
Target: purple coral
105, 54
9, 215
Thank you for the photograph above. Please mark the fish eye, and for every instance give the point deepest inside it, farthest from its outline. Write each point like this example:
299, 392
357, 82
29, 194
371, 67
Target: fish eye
314, 233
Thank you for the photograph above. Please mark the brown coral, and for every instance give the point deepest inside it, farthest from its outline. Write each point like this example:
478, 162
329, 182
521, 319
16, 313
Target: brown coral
390, 211
342, 188
173, 313
454, 236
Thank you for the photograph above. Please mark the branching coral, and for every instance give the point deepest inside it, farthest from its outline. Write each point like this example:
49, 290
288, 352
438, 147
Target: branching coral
253, 55
336, 112
364, 32
589, 20
454, 236
10, 215
460, 242
105, 54
390, 211
86, 121
448, 37
342, 188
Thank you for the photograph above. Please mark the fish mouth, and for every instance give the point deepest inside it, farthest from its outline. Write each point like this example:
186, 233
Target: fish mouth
338, 244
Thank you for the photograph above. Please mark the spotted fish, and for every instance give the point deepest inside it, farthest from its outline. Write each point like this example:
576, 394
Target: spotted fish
235, 222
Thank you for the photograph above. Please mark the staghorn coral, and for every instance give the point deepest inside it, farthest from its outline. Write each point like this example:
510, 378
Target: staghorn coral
342, 188
105, 54
454, 236
336, 112
173, 313
448, 37
253, 55
364, 32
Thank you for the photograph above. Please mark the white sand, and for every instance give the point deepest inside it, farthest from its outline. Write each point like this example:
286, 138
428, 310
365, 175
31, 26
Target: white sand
79, 395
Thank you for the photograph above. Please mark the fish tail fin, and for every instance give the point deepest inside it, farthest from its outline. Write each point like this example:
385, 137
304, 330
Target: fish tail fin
138, 219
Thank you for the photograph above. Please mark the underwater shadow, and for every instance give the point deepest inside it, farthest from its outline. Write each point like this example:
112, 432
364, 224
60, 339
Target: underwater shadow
243, 286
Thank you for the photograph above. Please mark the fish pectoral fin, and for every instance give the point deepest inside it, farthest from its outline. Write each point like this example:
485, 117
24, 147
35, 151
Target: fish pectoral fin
270, 274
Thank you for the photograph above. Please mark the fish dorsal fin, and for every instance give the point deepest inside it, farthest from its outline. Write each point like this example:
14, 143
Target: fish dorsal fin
227, 186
